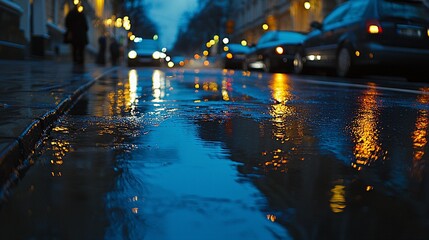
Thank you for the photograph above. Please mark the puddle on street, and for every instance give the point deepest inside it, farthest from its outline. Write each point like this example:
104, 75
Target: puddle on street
134, 161
180, 185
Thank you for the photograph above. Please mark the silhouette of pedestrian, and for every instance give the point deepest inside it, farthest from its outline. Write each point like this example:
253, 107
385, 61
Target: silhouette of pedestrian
114, 51
76, 24
101, 56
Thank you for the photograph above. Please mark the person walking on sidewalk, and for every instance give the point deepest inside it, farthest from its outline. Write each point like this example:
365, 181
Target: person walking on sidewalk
114, 51
101, 55
77, 28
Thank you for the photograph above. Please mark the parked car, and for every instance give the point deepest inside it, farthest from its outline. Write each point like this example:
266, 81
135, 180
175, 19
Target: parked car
364, 36
235, 56
274, 51
144, 52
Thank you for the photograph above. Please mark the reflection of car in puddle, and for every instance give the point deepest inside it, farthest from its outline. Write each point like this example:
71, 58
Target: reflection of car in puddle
144, 52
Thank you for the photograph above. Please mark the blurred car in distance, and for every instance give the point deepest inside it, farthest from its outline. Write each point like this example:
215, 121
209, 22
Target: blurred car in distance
369, 36
234, 56
274, 51
144, 52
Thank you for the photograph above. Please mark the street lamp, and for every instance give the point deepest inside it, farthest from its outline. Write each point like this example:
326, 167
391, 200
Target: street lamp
118, 22
307, 5
265, 26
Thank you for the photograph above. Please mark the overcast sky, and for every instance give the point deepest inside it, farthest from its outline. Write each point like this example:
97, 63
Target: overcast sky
169, 15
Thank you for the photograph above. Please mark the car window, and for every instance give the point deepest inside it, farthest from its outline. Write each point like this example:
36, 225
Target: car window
356, 10
146, 44
291, 37
337, 14
267, 37
238, 48
404, 9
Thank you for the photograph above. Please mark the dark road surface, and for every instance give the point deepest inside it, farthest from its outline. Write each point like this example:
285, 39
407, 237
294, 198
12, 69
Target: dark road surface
212, 154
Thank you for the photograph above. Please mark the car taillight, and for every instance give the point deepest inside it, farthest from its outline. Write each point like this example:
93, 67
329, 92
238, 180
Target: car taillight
373, 27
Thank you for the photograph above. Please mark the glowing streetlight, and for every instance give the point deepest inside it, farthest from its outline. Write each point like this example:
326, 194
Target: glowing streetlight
118, 22
307, 5
265, 26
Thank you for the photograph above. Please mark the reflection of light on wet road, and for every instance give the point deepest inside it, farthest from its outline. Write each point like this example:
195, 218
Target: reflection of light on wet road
280, 86
419, 136
196, 83
211, 86
338, 199
158, 85
226, 88
59, 150
365, 131
281, 93
286, 127
132, 81
121, 96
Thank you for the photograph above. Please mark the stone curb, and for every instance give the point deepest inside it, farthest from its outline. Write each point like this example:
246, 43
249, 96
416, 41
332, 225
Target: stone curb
13, 158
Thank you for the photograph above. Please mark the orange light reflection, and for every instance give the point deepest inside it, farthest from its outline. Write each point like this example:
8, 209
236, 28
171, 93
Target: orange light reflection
419, 136
365, 130
338, 199
285, 128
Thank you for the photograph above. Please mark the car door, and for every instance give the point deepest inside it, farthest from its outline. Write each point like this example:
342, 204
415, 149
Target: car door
320, 45
255, 55
344, 30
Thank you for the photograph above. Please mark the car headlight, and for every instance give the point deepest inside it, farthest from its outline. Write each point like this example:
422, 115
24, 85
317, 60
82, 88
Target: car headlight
156, 55
279, 50
132, 54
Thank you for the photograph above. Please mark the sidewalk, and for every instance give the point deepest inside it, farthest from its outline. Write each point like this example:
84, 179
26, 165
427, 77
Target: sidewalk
33, 95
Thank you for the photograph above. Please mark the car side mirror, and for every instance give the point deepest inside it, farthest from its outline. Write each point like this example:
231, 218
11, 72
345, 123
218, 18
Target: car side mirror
316, 25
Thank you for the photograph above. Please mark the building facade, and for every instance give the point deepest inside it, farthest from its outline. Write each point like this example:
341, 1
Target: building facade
249, 16
34, 28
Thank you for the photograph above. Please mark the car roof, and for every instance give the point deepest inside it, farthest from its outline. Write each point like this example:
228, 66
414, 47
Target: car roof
237, 47
277, 37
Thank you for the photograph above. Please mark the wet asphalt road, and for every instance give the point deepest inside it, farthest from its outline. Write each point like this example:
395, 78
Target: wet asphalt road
212, 154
